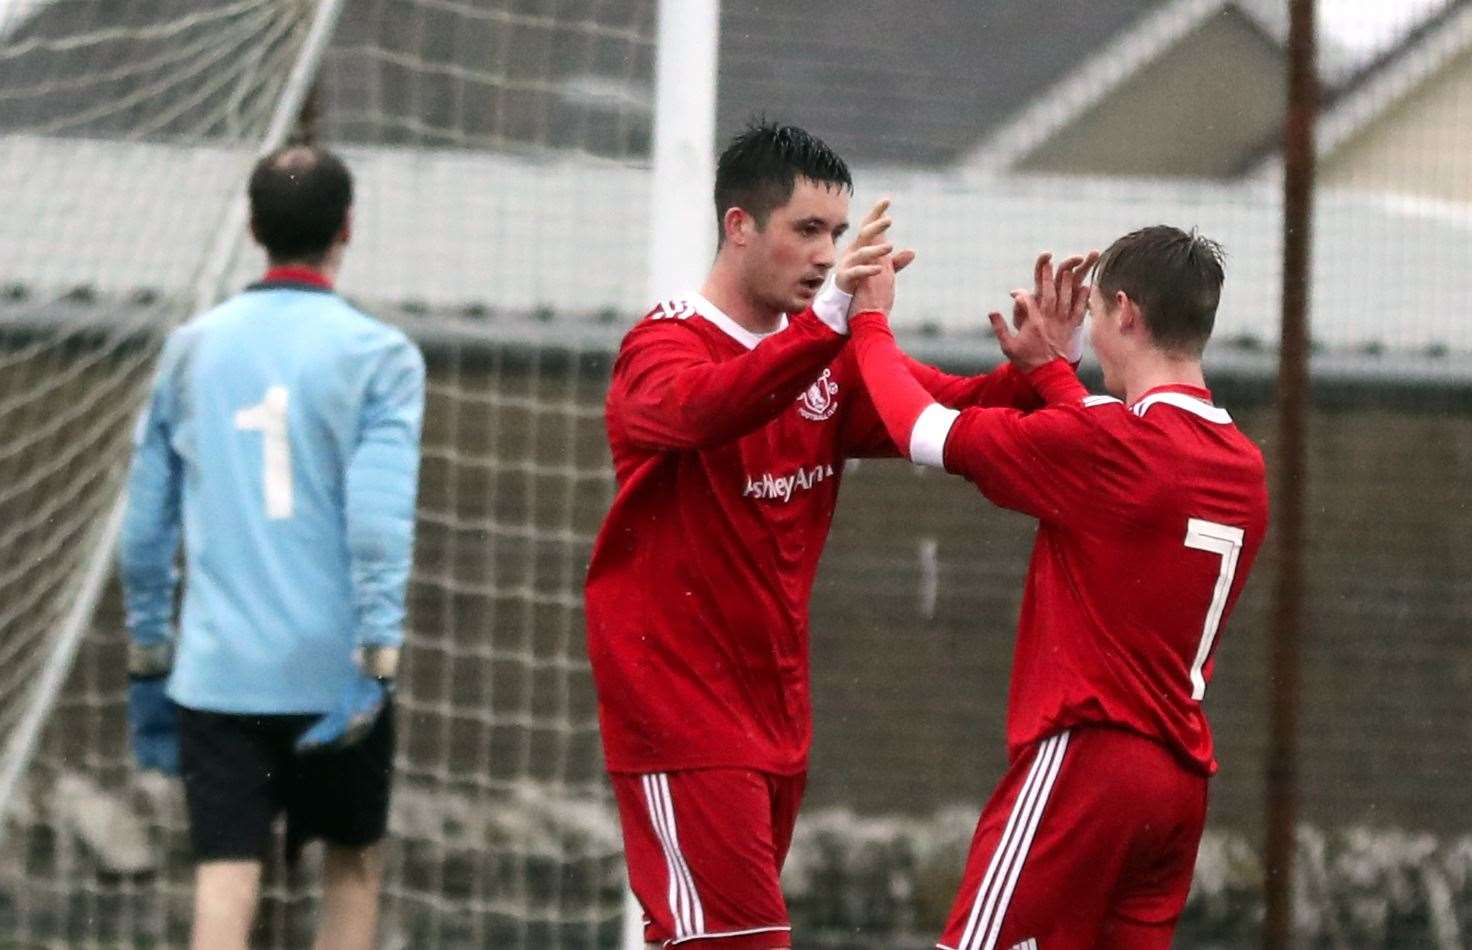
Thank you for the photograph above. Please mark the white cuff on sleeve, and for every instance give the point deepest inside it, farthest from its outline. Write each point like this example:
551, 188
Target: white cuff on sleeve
928, 437
831, 306
1075, 345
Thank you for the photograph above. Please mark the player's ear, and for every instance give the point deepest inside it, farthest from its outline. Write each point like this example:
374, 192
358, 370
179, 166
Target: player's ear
345, 233
737, 225
1129, 313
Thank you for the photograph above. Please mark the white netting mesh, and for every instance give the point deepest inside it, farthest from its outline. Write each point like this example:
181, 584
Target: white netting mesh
129, 129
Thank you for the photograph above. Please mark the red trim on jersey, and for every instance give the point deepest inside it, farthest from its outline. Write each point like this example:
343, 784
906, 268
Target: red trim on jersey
297, 274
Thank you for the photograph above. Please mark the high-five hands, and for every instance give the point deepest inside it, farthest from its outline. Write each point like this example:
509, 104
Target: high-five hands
873, 286
1047, 318
861, 258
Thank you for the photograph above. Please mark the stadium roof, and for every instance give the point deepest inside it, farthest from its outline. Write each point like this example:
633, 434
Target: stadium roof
905, 83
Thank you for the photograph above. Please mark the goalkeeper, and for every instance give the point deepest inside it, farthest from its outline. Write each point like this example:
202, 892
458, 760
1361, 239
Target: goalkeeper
282, 439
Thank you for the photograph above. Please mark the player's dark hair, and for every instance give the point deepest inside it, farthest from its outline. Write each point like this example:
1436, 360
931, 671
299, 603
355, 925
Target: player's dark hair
1174, 278
760, 167
299, 199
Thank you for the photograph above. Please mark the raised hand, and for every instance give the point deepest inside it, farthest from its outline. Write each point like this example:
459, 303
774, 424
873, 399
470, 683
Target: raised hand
861, 258
1047, 318
874, 288
1069, 296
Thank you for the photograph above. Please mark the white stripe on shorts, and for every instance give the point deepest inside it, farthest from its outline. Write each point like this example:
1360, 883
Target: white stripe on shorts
984, 924
685, 906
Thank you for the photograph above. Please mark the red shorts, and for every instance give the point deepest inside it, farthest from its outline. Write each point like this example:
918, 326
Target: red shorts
1089, 841
705, 849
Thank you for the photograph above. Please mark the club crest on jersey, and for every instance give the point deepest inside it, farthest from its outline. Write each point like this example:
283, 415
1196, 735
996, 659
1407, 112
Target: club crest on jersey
817, 402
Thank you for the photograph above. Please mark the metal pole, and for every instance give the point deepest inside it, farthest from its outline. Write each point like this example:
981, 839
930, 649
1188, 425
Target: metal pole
98, 566
1289, 490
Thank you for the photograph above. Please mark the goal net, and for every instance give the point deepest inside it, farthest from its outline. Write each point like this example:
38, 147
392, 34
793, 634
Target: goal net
500, 151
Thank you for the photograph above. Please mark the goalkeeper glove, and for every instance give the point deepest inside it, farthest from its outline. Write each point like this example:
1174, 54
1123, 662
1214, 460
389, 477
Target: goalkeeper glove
360, 704
153, 719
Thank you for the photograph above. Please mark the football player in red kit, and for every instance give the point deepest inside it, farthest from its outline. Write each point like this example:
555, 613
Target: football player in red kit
730, 414
1151, 507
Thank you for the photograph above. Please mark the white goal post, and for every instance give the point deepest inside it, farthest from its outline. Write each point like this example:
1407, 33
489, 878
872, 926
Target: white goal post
681, 227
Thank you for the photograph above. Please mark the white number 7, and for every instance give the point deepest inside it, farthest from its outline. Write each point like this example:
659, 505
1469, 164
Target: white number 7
1226, 541
268, 417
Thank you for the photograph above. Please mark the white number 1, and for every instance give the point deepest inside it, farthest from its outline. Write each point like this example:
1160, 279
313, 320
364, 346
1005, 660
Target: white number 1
268, 417
1226, 541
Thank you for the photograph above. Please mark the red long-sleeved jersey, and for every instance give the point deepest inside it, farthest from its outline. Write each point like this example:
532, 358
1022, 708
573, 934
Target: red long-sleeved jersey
1150, 516
728, 449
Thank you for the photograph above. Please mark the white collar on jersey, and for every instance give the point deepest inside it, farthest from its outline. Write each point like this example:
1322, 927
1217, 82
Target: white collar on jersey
730, 327
1182, 401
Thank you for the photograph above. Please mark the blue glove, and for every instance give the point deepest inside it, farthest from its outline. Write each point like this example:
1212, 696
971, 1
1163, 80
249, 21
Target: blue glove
153, 724
359, 706
356, 712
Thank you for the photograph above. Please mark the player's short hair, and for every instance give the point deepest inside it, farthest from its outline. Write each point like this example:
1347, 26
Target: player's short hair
299, 200
1175, 278
760, 167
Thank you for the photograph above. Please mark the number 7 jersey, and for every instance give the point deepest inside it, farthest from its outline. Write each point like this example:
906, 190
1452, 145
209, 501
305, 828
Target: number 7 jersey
1150, 518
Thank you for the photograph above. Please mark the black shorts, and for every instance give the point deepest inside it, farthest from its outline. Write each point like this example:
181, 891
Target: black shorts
240, 772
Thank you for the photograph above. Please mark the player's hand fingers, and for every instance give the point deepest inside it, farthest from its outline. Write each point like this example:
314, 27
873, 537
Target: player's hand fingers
868, 253
1066, 271
1082, 290
861, 271
1019, 312
1025, 308
1004, 335
1064, 284
903, 259
876, 214
872, 230
1042, 274
1080, 305
1078, 290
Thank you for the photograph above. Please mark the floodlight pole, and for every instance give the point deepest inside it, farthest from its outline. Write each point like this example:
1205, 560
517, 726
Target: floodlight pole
1290, 488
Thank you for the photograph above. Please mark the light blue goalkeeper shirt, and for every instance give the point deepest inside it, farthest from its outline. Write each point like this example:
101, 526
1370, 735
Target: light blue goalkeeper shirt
282, 435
